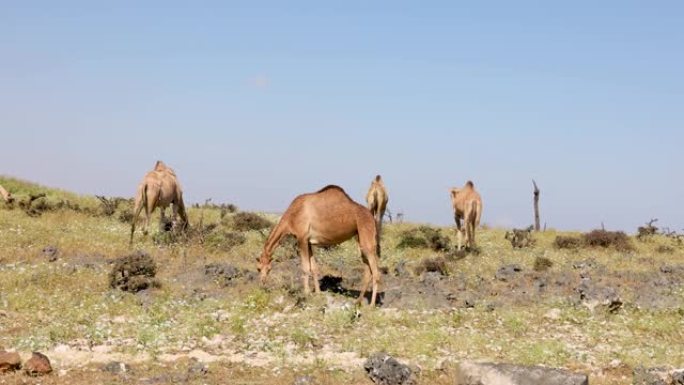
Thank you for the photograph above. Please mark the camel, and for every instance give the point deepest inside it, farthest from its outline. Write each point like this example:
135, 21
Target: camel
159, 188
6, 195
325, 218
377, 200
467, 205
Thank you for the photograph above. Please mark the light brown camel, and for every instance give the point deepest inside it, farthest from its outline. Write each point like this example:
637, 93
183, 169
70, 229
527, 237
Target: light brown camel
324, 218
467, 205
6, 195
160, 188
377, 200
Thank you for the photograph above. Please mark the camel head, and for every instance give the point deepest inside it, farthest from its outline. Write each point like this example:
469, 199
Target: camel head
263, 267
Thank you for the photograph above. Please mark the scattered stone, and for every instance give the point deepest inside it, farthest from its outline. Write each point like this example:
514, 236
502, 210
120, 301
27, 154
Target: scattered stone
133, 272
678, 377
51, 253
9, 361
224, 273
651, 376
593, 295
37, 365
506, 272
198, 368
471, 373
553, 314
385, 370
304, 380
116, 367
432, 265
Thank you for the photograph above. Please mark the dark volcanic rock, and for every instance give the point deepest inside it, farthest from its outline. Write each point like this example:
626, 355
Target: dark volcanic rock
507, 272
385, 370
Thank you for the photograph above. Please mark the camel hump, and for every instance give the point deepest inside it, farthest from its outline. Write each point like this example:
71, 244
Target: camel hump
160, 166
330, 187
470, 184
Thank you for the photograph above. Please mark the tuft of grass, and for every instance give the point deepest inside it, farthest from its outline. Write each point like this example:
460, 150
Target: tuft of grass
605, 239
542, 264
424, 237
246, 221
567, 242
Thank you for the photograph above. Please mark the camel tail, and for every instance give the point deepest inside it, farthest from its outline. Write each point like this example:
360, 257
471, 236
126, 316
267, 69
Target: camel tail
378, 178
470, 184
140, 202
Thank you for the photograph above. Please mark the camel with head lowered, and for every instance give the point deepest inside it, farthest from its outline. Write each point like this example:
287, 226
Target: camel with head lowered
159, 188
467, 205
6, 195
377, 200
325, 218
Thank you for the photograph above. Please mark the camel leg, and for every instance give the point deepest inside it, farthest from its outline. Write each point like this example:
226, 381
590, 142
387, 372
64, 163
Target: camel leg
136, 213
375, 274
365, 281
162, 219
314, 271
459, 235
305, 256
149, 207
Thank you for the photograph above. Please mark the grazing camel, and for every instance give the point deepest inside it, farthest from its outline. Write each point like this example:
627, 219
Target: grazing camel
377, 200
325, 218
6, 195
467, 205
160, 188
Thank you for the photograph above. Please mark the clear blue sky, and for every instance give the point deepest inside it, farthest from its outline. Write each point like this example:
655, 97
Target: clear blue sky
255, 102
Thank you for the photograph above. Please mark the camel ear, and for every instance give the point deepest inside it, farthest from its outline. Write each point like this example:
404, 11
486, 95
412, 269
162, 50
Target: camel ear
257, 259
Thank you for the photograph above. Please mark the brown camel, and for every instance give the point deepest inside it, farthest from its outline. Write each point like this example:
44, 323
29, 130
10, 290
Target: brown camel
160, 188
377, 200
6, 195
467, 205
325, 218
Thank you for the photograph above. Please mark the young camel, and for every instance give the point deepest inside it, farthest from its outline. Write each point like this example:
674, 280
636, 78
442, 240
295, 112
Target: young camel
160, 188
377, 200
467, 205
325, 218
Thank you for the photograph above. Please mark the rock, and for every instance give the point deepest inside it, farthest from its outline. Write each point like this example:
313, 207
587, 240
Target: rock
650, 376
116, 367
304, 380
385, 370
51, 253
472, 373
133, 272
37, 365
506, 272
198, 368
224, 273
593, 295
553, 314
9, 361
678, 377
658, 376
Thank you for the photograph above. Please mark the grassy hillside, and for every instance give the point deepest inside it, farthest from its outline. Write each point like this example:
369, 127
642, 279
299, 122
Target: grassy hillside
474, 306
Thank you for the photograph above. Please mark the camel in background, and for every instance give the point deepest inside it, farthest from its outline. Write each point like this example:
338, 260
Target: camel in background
377, 200
6, 195
467, 205
159, 188
325, 218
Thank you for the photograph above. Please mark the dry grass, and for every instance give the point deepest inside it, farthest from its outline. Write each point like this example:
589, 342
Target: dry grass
45, 305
